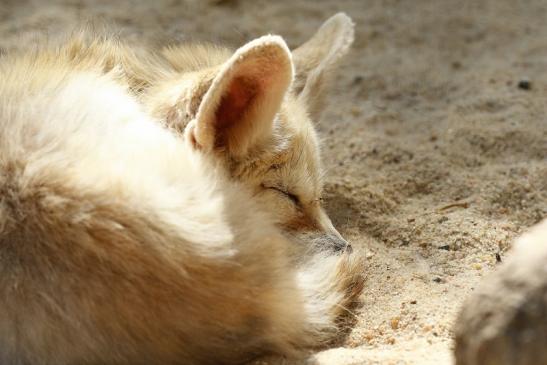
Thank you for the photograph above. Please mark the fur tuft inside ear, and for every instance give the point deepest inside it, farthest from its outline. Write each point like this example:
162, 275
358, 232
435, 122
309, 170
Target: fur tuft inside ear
317, 57
244, 97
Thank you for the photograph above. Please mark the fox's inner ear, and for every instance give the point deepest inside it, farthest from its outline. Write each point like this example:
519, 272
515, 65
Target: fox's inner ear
244, 97
316, 58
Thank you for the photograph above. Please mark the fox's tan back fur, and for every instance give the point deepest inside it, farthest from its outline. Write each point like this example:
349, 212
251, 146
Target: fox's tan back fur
151, 204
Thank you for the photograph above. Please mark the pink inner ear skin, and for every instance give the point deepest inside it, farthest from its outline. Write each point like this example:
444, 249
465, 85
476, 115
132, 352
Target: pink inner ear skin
235, 102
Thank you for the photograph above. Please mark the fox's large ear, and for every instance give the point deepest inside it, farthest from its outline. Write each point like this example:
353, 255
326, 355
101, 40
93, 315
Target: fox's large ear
317, 57
239, 107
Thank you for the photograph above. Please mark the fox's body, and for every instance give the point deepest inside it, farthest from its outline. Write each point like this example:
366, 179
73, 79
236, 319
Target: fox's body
141, 216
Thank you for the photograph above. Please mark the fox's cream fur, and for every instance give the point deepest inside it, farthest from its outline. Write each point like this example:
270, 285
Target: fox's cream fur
164, 208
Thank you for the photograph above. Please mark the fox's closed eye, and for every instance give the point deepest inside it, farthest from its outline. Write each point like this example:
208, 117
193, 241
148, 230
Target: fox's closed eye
287, 194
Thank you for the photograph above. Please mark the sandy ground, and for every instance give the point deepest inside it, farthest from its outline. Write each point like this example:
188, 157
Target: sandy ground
437, 156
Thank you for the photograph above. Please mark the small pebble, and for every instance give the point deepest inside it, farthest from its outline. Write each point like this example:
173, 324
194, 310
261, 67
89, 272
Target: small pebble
445, 247
442, 219
395, 323
368, 336
358, 80
355, 111
524, 84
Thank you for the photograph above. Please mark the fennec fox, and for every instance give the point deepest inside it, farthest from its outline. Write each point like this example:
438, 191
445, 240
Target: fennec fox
153, 206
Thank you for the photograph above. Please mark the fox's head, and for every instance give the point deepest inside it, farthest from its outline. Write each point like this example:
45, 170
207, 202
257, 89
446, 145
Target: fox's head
254, 110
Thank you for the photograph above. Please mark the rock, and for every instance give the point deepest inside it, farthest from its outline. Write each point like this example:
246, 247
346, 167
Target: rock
504, 322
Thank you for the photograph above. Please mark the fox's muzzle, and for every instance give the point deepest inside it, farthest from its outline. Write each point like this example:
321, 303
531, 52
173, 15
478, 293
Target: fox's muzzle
332, 242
